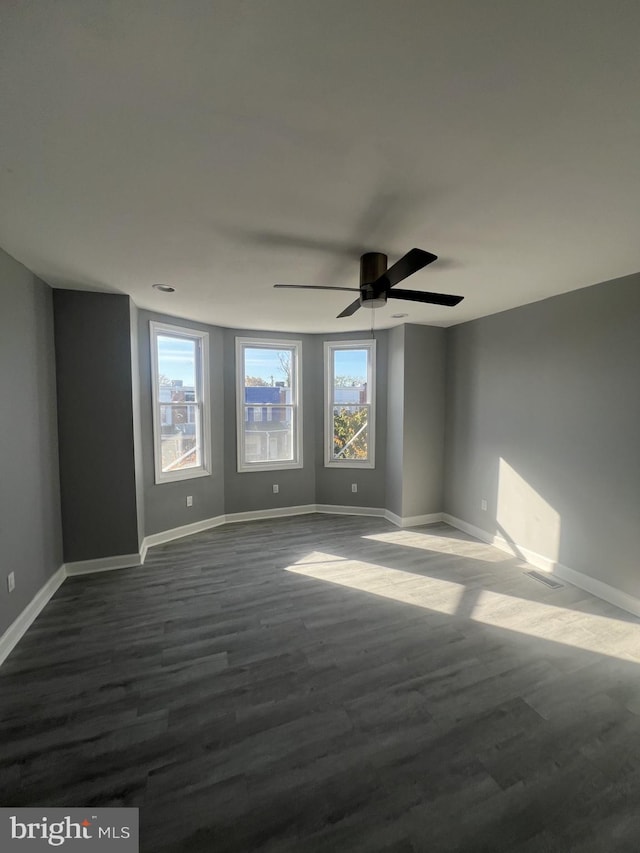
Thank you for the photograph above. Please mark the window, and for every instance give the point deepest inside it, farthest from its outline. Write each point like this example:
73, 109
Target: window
269, 405
349, 404
180, 387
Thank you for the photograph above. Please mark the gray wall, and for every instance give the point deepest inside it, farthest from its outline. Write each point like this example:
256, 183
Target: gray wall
30, 524
395, 421
253, 490
138, 435
333, 485
543, 421
165, 504
95, 424
423, 422
415, 420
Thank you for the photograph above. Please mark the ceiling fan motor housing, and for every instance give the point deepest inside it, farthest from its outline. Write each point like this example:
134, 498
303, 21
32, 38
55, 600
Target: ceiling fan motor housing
372, 266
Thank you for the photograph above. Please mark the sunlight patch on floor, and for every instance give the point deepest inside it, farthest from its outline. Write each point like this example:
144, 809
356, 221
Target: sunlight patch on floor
570, 627
441, 543
407, 587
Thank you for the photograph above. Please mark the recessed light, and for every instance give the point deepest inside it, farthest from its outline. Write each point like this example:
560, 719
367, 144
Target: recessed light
398, 316
164, 288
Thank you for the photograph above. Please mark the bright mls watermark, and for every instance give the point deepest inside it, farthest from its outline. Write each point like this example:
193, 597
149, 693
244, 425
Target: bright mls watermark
106, 830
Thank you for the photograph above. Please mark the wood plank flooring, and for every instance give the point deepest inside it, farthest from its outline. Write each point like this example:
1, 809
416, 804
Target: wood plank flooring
331, 683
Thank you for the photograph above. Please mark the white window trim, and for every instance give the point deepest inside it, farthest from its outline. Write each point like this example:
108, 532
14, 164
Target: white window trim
202, 394
268, 343
329, 348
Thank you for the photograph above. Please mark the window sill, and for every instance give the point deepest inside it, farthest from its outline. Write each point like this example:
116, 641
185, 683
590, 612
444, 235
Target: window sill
351, 463
265, 466
178, 476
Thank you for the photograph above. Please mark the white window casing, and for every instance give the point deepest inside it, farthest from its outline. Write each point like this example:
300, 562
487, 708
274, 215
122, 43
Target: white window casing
349, 411
181, 412
269, 421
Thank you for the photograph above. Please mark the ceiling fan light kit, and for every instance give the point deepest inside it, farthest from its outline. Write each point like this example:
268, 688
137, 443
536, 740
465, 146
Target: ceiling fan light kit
376, 282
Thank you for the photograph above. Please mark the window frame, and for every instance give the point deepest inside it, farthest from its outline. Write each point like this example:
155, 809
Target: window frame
243, 343
202, 401
330, 347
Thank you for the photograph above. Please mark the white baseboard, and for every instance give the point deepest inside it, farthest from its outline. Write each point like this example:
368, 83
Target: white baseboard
262, 514
280, 512
103, 564
471, 529
419, 520
393, 518
337, 509
596, 587
14, 633
412, 520
531, 557
178, 533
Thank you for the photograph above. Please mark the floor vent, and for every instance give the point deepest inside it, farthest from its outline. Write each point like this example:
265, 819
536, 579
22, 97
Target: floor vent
545, 579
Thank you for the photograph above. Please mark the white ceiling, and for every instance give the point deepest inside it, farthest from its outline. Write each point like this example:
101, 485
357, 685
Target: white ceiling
222, 147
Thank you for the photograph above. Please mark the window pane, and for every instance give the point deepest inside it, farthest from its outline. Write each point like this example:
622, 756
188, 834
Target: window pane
266, 369
176, 368
180, 437
267, 394
268, 434
268, 418
350, 432
350, 376
180, 397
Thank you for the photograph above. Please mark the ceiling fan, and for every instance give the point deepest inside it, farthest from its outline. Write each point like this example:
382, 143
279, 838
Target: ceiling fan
376, 282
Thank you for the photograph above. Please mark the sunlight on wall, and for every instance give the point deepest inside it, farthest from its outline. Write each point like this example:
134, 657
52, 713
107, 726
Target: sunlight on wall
524, 517
443, 544
569, 627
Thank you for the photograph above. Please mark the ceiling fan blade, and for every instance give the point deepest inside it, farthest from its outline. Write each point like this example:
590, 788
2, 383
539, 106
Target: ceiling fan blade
350, 309
317, 287
425, 296
414, 260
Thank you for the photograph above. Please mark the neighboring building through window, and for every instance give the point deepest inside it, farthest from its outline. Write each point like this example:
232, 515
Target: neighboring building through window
269, 415
349, 404
180, 387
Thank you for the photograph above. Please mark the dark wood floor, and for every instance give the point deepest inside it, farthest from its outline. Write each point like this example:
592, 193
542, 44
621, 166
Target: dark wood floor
329, 683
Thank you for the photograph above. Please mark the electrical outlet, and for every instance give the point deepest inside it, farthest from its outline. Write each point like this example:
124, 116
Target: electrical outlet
11, 581
483, 505
189, 500
354, 487
276, 488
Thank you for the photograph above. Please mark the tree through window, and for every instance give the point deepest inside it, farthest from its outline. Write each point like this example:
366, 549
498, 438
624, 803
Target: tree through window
349, 403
